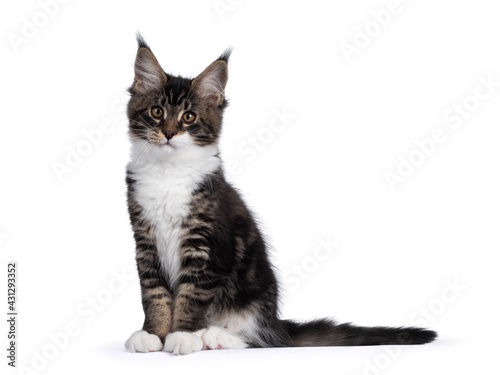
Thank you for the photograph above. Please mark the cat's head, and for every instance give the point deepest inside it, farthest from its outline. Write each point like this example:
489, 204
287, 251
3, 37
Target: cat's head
169, 113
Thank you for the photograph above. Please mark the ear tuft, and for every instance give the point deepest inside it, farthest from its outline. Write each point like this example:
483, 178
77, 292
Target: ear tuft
149, 75
141, 42
210, 84
226, 54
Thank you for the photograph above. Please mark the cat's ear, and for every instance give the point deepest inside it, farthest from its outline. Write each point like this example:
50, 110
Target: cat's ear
210, 84
149, 76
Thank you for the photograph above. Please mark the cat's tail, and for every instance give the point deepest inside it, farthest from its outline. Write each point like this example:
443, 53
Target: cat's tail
325, 332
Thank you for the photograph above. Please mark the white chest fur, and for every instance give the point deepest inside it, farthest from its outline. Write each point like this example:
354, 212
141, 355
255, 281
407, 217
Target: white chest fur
164, 186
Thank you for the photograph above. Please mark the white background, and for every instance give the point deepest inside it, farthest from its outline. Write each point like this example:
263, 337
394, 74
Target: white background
320, 177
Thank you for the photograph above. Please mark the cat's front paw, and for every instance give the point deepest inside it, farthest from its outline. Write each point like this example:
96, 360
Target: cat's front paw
143, 342
183, 342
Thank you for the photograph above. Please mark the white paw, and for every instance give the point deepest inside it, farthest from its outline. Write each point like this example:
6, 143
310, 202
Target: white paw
219, 338
143, 342
183, 342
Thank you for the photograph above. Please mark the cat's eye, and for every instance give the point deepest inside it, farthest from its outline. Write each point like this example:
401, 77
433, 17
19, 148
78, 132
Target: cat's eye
188, 117
157, 112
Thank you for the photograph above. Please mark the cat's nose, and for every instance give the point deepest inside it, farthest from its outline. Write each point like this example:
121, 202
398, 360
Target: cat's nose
169, 135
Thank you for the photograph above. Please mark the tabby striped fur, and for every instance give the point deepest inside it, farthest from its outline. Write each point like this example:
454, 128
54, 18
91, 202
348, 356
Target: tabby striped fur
205, 275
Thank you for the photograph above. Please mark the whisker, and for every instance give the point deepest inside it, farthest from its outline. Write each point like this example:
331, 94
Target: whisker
146, 125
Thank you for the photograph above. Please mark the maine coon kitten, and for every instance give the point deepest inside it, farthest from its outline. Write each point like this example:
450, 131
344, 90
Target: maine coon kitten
205, 276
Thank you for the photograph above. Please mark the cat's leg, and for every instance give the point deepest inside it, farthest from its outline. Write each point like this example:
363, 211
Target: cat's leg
157, 306
194, 298
157, 309
192, 303
200, 277
156, 299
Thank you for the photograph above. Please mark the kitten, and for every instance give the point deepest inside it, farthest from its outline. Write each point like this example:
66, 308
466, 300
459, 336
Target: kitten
205, 275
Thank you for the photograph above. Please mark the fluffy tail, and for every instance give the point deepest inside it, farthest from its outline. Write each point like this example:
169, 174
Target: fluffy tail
325, 332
